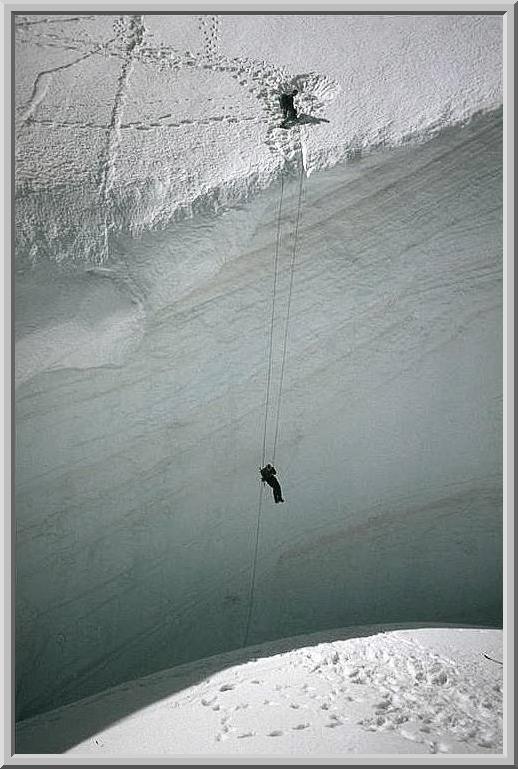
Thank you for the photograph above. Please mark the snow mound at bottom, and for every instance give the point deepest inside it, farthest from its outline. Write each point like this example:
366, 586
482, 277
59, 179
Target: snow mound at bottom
427, 690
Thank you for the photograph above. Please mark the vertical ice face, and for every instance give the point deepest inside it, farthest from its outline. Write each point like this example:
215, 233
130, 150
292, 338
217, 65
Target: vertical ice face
137, 488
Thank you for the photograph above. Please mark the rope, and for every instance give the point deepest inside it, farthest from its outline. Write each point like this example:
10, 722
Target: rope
292, 273
268, 383
270, 358
254, 567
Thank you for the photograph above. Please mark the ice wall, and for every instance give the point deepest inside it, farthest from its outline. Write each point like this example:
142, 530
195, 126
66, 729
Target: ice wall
148, 168
137, 490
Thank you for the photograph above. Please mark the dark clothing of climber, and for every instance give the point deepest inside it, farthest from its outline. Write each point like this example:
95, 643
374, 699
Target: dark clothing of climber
268, 476
288, 108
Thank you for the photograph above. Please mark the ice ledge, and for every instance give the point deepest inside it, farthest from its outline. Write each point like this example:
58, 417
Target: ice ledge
77, 228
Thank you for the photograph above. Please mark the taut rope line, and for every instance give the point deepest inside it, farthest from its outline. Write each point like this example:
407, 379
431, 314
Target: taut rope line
268, 383
270, 358
286, 327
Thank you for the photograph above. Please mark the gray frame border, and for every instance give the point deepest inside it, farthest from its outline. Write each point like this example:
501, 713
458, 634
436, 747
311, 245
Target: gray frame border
7, 344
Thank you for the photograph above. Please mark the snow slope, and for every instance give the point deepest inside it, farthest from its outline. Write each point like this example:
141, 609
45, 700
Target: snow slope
357, 690
146, 225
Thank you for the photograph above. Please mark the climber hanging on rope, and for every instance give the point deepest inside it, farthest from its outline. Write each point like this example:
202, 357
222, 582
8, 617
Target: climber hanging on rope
268, 474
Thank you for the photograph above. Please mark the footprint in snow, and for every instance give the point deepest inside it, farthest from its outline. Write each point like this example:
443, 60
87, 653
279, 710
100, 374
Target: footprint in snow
275, 733
224, 734
226, 687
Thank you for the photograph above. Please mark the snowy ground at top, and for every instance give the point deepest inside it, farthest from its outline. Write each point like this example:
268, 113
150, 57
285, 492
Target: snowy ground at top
148, 183
130, 121
351, 691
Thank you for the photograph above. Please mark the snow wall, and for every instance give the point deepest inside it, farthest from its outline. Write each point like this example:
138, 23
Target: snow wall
142, 343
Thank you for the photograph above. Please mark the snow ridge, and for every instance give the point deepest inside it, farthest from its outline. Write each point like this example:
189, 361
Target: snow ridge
187, 159
396, 691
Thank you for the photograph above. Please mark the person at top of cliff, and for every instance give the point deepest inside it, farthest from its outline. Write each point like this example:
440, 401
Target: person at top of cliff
268, 474
288, 108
